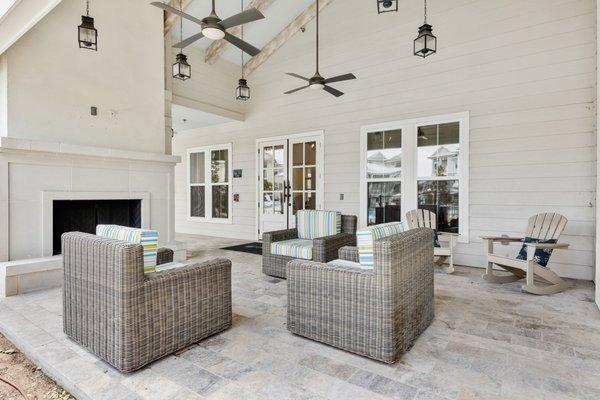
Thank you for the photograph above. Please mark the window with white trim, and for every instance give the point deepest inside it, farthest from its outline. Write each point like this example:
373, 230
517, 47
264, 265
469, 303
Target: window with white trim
420, 163
209, 183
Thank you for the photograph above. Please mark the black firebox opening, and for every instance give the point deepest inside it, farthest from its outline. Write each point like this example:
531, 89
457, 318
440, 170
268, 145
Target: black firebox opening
84, 215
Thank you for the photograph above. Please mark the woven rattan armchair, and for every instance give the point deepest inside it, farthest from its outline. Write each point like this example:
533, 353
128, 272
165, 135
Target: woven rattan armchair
128, 318
324, 249
377, 313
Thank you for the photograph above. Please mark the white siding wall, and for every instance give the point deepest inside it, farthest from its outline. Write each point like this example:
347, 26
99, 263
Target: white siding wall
52, 82
525, 71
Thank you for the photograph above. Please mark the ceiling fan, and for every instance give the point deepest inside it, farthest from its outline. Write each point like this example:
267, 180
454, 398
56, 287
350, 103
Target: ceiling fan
317, 81
214, 28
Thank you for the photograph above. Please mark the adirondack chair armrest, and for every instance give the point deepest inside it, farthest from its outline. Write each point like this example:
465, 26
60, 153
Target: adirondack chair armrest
552, 246
502, 238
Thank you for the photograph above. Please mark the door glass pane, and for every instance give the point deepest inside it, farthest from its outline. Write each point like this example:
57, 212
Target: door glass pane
218, 165
268, 180
298, 154
279, 179
310, 178
310, 153
268, 203
197, 208
297, 202
278, 156
278, 203
384, 154
268, 157
220, 201
197, 168
383, 202
298, 179
438, 150
441, 198
310, 202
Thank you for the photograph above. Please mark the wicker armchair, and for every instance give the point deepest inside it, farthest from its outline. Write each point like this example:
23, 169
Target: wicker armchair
324, 249
129, 319
377, 313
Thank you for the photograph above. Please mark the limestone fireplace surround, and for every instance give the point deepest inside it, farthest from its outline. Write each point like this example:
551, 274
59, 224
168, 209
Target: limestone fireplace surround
34, 174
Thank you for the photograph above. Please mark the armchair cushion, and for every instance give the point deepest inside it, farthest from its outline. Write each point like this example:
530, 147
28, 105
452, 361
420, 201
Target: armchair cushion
339, 263
542, 256
366, 237
147, 238
296, 248
314, 224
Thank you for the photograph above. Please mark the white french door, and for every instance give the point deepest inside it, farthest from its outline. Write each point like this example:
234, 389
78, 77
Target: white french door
290, 178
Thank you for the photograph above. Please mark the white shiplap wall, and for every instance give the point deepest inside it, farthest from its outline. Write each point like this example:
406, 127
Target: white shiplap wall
526, 71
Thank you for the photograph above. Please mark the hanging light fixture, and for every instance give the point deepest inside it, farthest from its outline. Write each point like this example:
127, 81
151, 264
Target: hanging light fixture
426, 42
242, 92
86, 32
384, 6
181, 69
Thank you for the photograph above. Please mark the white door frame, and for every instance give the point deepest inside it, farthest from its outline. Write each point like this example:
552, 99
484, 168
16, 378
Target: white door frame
320, 169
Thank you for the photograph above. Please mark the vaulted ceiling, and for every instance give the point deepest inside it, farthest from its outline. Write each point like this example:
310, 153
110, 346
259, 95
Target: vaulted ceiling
278, 14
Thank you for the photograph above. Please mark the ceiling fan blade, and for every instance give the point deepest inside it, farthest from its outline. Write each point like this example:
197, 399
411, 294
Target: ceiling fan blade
297, 76
188, 41
239, 43
249, 15
297, 89
333, 91
340, 78
173, 10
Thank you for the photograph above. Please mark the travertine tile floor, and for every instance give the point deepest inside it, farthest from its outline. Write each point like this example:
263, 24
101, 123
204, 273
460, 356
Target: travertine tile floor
487, 342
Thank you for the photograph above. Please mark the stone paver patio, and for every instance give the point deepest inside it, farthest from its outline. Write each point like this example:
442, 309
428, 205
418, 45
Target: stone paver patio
486, 342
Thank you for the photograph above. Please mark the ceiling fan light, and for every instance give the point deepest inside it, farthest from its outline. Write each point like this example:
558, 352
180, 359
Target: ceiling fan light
213, 33
317, 86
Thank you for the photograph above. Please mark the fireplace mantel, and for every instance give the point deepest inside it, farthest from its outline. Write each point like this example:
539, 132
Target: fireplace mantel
24, 145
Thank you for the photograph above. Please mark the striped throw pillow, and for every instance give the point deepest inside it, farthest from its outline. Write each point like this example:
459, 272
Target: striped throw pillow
147, 238
366, 237
314, 224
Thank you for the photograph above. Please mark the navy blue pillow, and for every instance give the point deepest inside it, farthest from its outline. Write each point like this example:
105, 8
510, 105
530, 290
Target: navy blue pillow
541, 256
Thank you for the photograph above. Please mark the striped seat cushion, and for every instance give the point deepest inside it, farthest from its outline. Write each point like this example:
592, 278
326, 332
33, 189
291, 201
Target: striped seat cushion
147, 238
314, 224
366, 237
297, 248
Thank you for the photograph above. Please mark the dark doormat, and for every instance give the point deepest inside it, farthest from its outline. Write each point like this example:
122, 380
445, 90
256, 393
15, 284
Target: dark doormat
253, 248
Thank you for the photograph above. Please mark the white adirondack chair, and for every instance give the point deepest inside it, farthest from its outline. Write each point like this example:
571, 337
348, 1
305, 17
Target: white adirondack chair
426, 219
543, 226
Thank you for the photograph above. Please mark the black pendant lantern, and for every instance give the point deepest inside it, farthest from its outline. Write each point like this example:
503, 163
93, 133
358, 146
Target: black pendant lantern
242, 92
426, 43
86, 32
181, 69
384, 6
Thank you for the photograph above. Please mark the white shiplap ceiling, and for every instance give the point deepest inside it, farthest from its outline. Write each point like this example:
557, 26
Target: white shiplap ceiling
277, 16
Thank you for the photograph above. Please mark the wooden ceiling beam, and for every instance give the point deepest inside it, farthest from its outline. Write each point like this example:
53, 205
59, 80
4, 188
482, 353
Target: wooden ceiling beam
170, 18
297, 24
217, 47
